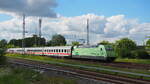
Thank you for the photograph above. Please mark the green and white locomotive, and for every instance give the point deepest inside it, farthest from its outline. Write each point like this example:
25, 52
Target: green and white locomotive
100, 52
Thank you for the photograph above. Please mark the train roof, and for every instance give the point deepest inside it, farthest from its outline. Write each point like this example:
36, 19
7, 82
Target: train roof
92, 46
53, 47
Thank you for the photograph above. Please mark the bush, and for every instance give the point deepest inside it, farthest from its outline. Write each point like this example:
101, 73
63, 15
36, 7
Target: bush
123, 53
124, 46
140, 54
2, 57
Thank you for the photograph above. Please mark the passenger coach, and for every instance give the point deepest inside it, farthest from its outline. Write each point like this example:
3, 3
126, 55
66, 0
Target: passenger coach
49, 51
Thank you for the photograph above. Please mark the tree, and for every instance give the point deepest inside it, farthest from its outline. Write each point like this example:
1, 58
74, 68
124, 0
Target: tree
49, 43
16, 42
104, 43
57, 40
148, 43
124, 46
29, 42
75, 43
3, 44
10, 46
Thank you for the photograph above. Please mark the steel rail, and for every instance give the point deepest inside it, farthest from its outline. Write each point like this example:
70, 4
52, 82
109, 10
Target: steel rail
102, 69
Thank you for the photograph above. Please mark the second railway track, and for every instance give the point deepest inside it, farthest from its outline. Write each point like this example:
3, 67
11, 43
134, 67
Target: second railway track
78, 73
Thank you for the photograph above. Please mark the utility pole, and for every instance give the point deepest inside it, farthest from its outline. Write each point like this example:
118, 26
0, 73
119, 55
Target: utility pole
23, 34
87, 31
40, 33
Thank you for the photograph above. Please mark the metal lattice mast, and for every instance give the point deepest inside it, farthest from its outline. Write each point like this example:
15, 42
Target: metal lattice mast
87, 31
23, 33
40, 33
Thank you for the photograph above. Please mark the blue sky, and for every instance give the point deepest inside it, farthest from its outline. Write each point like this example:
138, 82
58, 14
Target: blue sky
139, 9
4, 17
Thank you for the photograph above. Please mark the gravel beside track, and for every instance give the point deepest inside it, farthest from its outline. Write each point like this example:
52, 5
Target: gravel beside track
83, 73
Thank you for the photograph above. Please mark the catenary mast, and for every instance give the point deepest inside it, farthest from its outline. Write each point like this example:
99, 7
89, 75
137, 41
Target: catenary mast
87, 31
23, 34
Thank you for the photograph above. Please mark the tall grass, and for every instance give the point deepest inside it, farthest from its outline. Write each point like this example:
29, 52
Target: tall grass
140, 61
27, 76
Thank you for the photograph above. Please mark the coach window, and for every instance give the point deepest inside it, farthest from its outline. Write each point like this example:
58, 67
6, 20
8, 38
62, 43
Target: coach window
65, 51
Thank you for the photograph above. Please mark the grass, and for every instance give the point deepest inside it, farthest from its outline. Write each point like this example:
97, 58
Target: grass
67, 61
27, 76
140, 61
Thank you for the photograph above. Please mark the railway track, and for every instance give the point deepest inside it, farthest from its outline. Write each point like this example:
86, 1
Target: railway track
78, 73
116, 64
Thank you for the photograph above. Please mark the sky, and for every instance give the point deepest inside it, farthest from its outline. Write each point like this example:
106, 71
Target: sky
108, 19
131, 8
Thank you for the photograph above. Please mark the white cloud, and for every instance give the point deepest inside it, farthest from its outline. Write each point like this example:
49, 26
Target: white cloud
40, 8
73, 28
